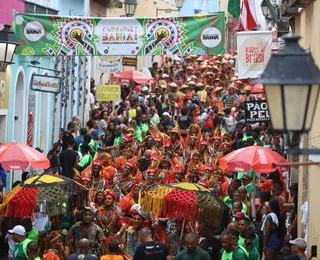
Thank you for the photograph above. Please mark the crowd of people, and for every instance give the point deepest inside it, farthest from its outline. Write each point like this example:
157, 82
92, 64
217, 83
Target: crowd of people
171, 131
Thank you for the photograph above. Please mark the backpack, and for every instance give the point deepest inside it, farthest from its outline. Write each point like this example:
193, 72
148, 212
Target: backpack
210, 122
235, 249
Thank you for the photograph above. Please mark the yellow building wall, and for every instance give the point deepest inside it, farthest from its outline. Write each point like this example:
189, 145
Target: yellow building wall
148, 8
4, 88
223, 6
307, 25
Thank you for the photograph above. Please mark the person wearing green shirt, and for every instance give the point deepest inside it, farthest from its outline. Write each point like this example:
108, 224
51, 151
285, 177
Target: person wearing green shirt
33, 251
248, 133
249, 241
31, 232
230, 251
192, 251
229, 199
118, 135
19, 236
94, 141
248, 180
237, 198
137, 131
144, 127
86, 157
244, 225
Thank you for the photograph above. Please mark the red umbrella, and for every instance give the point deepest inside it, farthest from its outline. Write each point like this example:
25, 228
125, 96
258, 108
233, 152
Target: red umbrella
256, 157
134, 75
257, 88
14, 156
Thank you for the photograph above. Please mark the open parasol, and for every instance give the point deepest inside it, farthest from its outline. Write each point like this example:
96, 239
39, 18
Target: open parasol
256, 157
257, 88
54, 190
15, 156
134, 75
183, 201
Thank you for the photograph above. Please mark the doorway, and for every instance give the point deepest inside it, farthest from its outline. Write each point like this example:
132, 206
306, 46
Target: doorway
19, 115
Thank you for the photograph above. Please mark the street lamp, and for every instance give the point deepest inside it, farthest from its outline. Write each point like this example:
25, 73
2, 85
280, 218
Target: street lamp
179, 4
130, 7
8, 44
291, 82
265, 9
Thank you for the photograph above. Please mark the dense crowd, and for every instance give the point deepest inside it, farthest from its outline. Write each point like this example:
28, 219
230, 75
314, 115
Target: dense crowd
172, 131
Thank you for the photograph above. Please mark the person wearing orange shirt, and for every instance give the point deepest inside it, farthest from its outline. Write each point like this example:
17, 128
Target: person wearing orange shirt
113, 252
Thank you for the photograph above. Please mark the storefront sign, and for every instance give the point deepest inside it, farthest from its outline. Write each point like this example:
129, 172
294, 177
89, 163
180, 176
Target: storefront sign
131, 62
254, 50
256, 111
108, 93
45, 83
48, 35
110, 65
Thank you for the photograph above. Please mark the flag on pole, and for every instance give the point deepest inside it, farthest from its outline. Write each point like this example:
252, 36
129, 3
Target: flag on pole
249, 15
234, 8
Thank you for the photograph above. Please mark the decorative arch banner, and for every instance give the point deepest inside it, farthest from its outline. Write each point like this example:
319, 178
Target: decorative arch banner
48, 35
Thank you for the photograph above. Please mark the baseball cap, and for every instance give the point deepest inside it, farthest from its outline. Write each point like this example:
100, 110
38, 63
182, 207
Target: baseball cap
19, 230
239, 215
166, 114
242, 121
299, 242
164, 76
95, 133
144, 88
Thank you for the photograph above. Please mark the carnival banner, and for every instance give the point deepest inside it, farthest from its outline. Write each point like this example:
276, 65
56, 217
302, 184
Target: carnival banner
254, 50
45, 35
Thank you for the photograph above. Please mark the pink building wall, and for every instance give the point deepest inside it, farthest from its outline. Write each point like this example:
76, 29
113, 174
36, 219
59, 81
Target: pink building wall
6, 7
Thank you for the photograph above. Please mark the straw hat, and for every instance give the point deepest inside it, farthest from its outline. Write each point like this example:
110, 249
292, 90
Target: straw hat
200, 84
231, 87
184, 87
163, 86
190, 68
191, 83
247, 88
173, 85
218, 89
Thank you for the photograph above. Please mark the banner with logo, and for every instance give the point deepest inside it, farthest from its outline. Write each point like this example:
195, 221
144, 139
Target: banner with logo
256, 111
111, 64
254, 50
108, 93
45, 35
